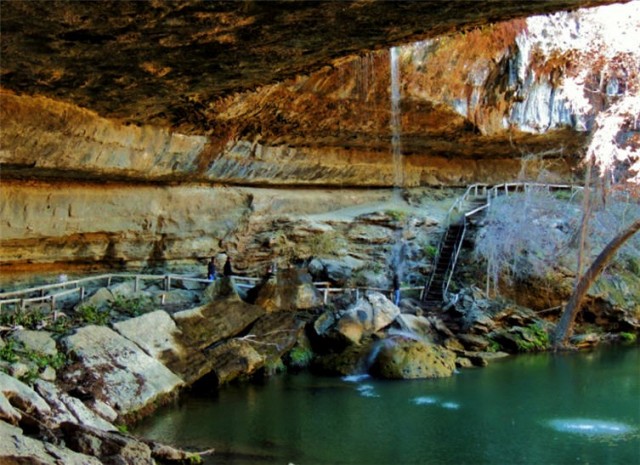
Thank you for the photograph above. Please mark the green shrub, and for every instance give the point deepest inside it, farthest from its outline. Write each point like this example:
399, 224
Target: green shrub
8, 352
396, 215
430, 251
300, 357
29, 319
628, 338
131, 306
274, 366
325, 244
536, 338
56, 361
194, 459
90, 314
494, 346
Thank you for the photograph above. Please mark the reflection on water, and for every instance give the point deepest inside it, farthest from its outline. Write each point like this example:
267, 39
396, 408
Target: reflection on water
591, 427
539, 409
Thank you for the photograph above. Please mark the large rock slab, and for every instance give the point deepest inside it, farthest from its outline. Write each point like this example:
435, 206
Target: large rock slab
204, 326
16, 448
66, 408
235, 358
115, 370
210, 323
110, 447
161, 341
276, 333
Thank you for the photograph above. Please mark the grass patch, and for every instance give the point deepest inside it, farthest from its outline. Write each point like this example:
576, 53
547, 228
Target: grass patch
130, 306
90, 314
396, 215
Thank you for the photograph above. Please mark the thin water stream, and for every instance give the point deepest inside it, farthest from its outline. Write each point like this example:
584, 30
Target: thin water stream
396, 120
574, 408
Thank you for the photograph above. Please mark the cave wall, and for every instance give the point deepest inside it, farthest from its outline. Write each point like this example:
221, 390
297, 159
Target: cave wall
83, 190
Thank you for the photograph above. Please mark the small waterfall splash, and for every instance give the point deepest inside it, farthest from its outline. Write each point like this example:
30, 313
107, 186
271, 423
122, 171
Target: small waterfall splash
396, 121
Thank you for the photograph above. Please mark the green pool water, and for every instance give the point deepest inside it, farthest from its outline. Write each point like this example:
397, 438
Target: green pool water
573, 408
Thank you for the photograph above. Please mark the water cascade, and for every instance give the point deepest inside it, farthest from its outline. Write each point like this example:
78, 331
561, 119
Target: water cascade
396, 122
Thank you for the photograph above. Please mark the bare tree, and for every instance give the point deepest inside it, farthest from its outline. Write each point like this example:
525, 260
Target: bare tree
565, 325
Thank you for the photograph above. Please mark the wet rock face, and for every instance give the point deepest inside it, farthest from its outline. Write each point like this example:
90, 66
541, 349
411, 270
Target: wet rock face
159, 61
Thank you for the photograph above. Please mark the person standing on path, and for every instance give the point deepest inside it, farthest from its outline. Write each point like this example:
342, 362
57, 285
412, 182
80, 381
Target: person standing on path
396, 288
211, 270
227, 271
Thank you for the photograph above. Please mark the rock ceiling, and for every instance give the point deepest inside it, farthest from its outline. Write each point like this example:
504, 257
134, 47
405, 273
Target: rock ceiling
140, 61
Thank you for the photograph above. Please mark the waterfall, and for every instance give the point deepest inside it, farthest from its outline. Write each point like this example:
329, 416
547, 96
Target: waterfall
395, 122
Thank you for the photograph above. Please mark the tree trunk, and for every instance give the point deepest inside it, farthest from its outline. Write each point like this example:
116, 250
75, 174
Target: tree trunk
565, 325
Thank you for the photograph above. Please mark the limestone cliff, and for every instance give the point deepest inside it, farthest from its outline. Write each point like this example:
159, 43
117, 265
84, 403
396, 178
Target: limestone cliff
79, 188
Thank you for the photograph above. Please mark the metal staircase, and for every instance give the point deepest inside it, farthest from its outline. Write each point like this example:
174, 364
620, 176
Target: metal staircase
460, 217
457, 223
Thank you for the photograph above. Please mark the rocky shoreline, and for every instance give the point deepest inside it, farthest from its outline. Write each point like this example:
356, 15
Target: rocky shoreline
67, 398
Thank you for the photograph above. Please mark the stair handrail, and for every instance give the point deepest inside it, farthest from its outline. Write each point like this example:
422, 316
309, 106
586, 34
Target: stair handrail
490, 192
456, 206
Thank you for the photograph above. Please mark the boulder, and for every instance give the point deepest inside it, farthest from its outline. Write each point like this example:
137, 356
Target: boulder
464, 362
516, 316
48, 374
115, 370
100, 299
336, 270
324, 323
35, 341
19, 395
110, 447
187, 284
353, 359
481, 359
440, 327
352, 326
16, 448
19, 370
402, 358
233, 359
180, 296
67, 408
277, 333
368, 315
7, 412
125, 289
222, 288
416, 325
203, 326
473, 342
290, 290
454, 345
370, 234
585, 341
384, 311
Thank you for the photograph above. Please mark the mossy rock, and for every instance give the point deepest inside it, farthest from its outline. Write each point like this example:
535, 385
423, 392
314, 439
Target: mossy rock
401, 358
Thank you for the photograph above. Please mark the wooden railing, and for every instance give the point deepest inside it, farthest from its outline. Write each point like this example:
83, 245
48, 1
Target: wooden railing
23, 297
